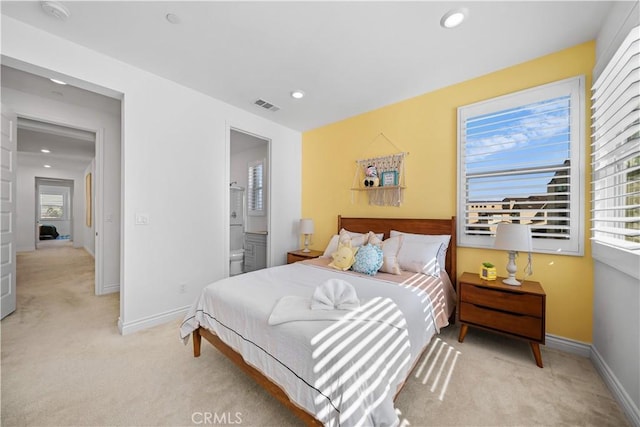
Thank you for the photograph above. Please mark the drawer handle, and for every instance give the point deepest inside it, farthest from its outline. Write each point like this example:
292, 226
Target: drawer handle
500, 311
499, 291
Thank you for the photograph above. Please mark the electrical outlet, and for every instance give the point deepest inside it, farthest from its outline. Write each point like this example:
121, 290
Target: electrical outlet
182, 288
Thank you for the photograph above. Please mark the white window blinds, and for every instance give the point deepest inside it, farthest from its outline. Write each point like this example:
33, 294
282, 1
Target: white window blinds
52, 206
255, 195
616, 149
519, 158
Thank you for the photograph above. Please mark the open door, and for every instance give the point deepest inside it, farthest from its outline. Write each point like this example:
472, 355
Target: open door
8, 213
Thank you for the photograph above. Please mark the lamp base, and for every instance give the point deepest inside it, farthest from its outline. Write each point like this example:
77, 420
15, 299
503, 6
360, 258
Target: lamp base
511, 269
511, 281
306, 243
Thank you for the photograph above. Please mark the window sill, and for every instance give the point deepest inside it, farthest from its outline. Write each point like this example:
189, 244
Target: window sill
620, 259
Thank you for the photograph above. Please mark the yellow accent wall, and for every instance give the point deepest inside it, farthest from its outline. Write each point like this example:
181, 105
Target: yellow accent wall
425, 126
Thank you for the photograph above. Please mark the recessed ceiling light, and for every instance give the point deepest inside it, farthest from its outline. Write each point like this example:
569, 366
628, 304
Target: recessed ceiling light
454, 17
55, 9
297, 94
47, 166
44, 150
58, 82
172, 18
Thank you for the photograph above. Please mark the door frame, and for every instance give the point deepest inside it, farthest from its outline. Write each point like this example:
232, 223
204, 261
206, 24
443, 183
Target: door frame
97, 186
229, 127
64, 182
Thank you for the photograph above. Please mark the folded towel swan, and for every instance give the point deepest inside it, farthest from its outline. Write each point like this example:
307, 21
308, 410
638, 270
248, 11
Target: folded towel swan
333, 299
335, 294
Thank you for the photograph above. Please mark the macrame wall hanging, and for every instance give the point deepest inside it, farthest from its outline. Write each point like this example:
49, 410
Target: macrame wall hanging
382, 177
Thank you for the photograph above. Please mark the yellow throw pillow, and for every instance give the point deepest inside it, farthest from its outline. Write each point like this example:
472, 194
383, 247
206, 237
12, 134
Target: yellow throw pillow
344, 257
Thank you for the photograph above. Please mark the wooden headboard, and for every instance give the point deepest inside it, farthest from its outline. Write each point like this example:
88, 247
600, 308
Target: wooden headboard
409, 225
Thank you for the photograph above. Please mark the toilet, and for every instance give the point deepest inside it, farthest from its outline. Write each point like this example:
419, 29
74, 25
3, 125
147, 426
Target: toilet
236, 253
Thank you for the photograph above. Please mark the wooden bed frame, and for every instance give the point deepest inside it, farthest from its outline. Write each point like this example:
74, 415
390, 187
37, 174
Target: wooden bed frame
360, 225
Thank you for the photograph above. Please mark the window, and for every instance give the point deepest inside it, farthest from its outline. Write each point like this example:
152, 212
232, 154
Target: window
616, 149
255, 196
52, 206
519, 161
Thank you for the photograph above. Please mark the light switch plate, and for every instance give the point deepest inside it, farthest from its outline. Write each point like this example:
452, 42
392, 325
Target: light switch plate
142, 219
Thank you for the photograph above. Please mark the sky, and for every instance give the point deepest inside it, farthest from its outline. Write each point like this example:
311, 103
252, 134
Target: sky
525, 141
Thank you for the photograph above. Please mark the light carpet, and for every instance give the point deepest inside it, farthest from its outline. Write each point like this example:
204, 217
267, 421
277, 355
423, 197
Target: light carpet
64, 364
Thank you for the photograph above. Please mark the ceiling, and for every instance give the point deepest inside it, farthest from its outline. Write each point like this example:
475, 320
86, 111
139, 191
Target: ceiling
70, 148
348, 57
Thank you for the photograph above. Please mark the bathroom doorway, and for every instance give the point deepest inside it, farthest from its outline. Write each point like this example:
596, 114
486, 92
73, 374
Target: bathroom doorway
249, 183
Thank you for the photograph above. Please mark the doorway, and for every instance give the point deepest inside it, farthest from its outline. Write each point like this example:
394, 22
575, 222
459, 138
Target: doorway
79, 138
54, 211
249, 170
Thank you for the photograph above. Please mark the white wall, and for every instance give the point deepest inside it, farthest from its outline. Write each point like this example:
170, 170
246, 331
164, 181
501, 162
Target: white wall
108, 128
624, 15
616, 299
175, 150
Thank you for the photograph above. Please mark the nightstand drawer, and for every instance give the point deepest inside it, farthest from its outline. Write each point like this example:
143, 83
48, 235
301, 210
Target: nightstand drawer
291, 258
502, 300
301, 255
525, 326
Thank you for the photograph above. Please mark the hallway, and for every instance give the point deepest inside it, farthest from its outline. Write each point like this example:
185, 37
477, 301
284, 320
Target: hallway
57, 281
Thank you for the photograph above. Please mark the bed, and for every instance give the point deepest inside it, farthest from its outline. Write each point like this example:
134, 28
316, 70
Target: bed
48, 232
344, 370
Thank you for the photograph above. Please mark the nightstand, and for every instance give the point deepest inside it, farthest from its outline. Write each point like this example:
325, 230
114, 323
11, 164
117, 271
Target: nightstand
295, 256
517, 311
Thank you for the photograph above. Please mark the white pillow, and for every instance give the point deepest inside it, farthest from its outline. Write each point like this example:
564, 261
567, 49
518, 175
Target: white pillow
332, 246
374, 239
333, 243
444, 239
390, 249
420, 257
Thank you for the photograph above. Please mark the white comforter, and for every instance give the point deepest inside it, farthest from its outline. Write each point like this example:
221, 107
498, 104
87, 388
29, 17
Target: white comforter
345, 372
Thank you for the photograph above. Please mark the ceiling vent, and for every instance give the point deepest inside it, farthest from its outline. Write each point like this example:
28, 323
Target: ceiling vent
266, 105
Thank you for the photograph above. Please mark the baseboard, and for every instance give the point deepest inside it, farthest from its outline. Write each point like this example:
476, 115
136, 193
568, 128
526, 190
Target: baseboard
628, 406
126, 328
567, 345
111, 288
587, 350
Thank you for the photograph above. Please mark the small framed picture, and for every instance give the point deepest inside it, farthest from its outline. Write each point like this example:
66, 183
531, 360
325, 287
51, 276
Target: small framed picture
389, 178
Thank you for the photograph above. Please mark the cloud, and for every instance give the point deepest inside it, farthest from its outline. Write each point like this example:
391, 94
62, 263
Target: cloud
502, 134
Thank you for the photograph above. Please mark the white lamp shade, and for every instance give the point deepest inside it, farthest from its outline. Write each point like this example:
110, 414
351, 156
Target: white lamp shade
306, 226
513, 237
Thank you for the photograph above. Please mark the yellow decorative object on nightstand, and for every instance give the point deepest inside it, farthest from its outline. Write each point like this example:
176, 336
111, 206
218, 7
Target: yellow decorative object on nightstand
488, 271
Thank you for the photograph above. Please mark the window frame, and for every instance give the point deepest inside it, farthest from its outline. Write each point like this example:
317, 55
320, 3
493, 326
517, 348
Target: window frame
65, 205
576, 89
605, 250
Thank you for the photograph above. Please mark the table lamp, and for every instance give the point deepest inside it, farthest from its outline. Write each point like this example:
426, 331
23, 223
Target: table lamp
513, 238
306, 229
